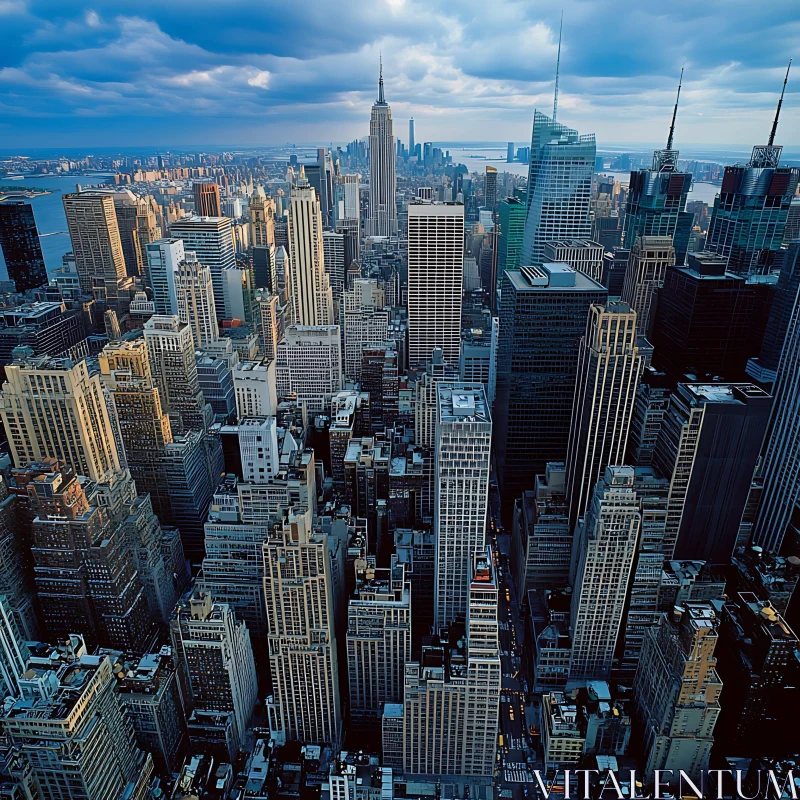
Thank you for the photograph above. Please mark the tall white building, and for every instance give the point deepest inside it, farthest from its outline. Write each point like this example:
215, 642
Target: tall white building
581, 254
300, 566
366, 323
333, 248
382, 178
194, 292
378, 640
268, 316
605, 545
559, 187
462, 456
163, 258
609, 367
55, 408
217, 657
647, 265
451, 703
309, 364
211, 239
309, 286
435, 279
255, 389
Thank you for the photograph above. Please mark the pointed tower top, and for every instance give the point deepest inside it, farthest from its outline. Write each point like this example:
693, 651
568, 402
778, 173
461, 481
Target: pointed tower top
778, 110
381, 98
558, 67
674, 113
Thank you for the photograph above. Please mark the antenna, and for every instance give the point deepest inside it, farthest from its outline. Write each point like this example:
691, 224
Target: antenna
780, 103
558, 66
675, 113
380, 81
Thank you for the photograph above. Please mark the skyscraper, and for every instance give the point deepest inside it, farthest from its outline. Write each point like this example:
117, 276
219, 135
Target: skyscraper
435, 278
348, 216
582, 255
194, 292
609, 367
412, 144
676, 691
382, 219
463, 453
22, 250
334, 247
490, 188
309, 285
647, 266
605, 544
750, 213
206, 199
511, 221
656, 201
162, 259
96, 243
559, 187
217, 658
137, 227
301, 568
366, 323
708, 447
55, 408
543, 314
211, 240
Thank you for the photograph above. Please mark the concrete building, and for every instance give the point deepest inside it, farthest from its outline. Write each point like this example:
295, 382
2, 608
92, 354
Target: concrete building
462, 458
650, 257
435, 279
309, 364
206, 199
55, 408
583, 255
605, 545
194, 293
609, 367
302, 568
268, 314
255, 389
677, 689
216, 657
366, 323
309, 285
378, 642
563, 737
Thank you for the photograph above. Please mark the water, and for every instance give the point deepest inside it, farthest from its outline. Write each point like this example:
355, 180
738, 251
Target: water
48, 211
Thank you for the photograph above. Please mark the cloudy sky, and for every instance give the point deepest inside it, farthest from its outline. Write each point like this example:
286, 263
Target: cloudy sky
187, 72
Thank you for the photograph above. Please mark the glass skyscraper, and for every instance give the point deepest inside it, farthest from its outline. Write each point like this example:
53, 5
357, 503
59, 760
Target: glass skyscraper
559, 187
511, 213
22, 251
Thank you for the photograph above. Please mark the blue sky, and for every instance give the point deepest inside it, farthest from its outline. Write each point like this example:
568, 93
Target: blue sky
184, 72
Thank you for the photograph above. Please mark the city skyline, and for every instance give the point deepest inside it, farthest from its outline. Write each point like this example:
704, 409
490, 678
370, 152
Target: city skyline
289, 74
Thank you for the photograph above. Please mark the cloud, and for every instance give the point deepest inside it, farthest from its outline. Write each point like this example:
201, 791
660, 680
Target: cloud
307, 71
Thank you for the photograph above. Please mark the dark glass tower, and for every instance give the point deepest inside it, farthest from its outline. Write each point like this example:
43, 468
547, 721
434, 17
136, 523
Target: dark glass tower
21, 248
543, 313
657, 199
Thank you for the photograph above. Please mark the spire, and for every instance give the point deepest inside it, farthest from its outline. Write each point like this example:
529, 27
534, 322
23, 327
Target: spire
381, 98
674, 113
780, 103
558, 66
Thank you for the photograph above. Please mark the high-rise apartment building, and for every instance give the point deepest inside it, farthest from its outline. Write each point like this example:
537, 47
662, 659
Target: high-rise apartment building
22, 251
210, 238
206, 199
543, 313
650, 257
378, 641
96, 243
559, 187
214, 650
194, 292
302, 567
162, 260
676, 691
73, 734
170, 349
462, 456
582, 255
435, 279
309, 285
309, 364
382, 220
708, 447
609, 367
55, 408
605, 544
